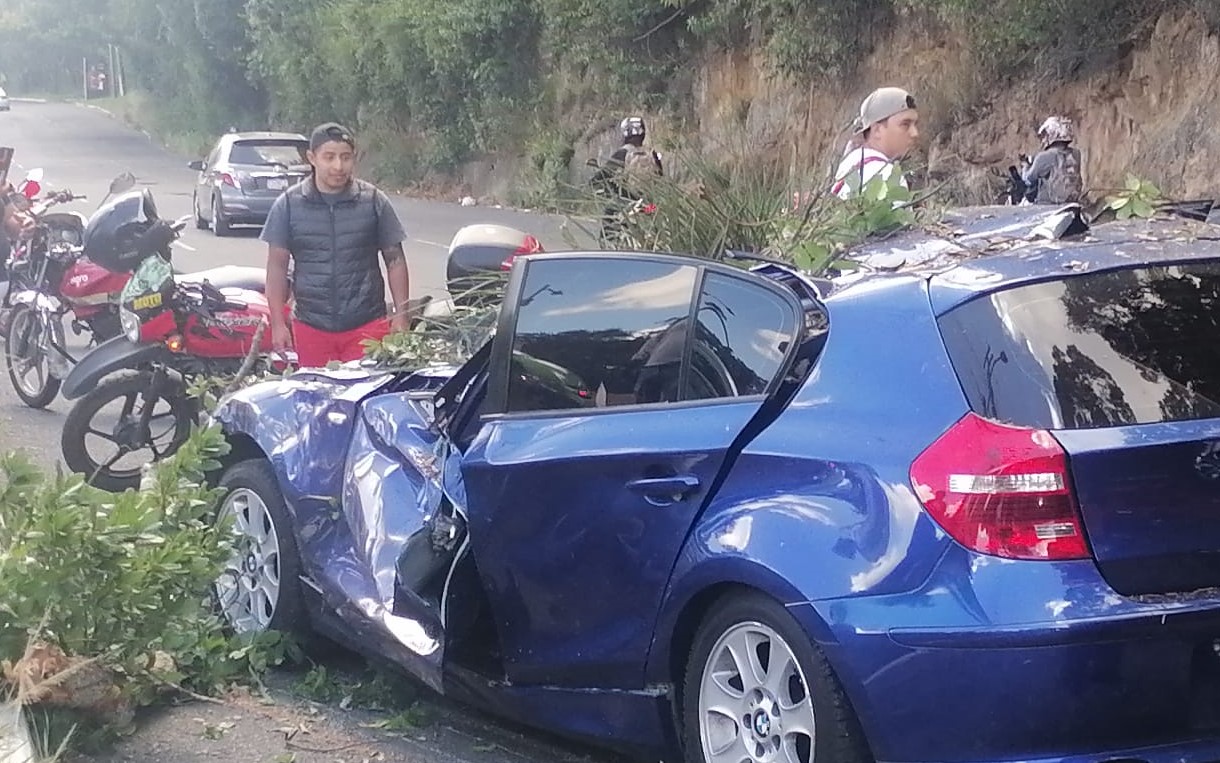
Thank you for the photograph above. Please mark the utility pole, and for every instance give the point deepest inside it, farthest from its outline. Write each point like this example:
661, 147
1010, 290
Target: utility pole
84, 76
114, 90
120, 73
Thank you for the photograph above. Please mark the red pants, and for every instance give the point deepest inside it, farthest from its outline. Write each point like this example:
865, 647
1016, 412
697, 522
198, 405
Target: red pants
315, 347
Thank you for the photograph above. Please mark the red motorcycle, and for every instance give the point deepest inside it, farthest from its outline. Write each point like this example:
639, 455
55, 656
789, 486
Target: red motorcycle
175, 329
51, 279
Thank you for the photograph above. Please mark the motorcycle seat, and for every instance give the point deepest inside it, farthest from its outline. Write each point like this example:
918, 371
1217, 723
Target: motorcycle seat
229, 277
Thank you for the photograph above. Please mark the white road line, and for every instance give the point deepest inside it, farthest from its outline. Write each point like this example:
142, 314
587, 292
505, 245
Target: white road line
430, 243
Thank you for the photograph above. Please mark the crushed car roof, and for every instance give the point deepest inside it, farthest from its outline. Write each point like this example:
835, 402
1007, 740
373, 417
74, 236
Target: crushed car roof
977, 249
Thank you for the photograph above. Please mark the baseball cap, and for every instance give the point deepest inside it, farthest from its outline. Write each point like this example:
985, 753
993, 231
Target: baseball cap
883, 103
324, 133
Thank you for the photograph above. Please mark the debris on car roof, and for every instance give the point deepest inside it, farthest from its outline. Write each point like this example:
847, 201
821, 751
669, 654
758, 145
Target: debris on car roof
968, 233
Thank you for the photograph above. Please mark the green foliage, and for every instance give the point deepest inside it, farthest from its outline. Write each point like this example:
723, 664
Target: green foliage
801, 39
1138, 198
1051, 36
124, 579
880, 207
714, 205
543, 181
371, 688
450, 339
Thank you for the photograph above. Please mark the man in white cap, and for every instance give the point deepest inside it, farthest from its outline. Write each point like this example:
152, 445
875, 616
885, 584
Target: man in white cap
886, 131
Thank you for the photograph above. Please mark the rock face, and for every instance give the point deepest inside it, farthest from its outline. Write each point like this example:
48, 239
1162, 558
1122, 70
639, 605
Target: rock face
1156, 112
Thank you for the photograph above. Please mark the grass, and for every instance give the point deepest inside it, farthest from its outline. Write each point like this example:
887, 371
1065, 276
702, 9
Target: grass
136, 110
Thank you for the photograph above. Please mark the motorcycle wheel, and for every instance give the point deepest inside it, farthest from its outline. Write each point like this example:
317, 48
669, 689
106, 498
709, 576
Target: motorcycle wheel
25, 354
127, 435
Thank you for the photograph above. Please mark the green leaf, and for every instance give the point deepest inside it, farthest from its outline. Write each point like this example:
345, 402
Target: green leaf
1149, 191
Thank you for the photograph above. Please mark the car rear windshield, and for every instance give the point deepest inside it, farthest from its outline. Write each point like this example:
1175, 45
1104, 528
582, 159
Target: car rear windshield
1132, 346
268, 153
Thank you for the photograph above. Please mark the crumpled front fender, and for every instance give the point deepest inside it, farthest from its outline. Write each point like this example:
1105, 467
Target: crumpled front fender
302, 424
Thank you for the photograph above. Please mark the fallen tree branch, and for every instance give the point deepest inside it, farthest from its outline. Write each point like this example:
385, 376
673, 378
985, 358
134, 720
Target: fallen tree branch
182, 689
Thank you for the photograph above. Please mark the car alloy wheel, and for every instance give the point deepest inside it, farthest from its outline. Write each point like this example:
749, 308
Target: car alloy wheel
249, 586
754, 704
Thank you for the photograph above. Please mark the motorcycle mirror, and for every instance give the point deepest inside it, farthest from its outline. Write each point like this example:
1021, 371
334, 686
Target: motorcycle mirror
124, 182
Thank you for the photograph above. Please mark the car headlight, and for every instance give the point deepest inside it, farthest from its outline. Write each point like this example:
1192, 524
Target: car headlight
130, 324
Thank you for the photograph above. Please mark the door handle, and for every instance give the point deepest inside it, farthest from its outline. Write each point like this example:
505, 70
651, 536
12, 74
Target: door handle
662, 491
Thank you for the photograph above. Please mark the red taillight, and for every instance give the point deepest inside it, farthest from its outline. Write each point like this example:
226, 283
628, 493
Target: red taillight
529, 245
228, 179
1001, 490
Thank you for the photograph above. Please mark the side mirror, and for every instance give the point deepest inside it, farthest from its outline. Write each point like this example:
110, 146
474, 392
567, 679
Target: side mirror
124, 182
196, 165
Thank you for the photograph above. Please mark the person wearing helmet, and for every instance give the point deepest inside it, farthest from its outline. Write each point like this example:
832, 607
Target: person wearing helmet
630, 159
885, 131
1054, 174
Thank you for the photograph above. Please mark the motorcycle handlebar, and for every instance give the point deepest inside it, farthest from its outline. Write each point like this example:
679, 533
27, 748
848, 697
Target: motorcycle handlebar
62, 197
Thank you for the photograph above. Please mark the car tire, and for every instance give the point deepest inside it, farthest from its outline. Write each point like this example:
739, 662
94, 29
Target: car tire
251, 494
220, 226
200, 223
750, 618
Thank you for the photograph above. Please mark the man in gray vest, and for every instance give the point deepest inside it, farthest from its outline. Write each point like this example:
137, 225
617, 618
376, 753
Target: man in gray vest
331, 227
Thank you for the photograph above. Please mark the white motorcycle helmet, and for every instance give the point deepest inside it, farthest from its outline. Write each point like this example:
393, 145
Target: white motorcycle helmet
1056, 129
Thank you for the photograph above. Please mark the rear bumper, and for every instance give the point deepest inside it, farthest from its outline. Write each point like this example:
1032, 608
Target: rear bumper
246, 209
1028, 661
1198, 751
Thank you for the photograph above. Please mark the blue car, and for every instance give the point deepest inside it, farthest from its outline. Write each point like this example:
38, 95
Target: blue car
958, 503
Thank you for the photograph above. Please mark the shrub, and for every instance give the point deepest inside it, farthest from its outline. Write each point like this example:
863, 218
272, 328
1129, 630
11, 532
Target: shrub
713, 205
107, 598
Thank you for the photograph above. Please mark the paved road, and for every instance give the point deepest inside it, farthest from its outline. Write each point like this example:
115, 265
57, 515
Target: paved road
82, 149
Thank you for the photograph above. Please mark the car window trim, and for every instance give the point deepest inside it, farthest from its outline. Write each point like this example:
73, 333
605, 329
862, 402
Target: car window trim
495, 404
567, 413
